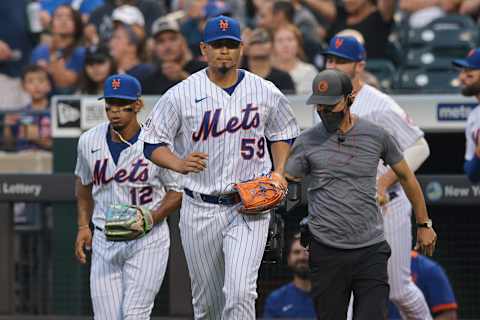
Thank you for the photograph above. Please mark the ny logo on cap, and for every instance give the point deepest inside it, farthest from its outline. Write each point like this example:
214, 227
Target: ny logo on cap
115, 84
338, 42
323, 86
223, 24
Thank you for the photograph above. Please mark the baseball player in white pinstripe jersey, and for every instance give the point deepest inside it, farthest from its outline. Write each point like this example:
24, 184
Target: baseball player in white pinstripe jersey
112, 170
222, 116
345, 53
470, 79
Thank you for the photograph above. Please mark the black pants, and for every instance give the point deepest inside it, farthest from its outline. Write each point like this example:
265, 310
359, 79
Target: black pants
336, 273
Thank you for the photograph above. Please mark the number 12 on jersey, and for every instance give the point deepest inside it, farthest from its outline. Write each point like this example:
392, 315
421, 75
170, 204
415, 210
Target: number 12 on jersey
141, 196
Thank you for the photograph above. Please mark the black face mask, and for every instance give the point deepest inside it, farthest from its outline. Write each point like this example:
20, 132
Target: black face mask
331, 120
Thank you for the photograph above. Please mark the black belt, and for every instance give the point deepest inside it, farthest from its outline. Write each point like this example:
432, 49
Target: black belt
226, 199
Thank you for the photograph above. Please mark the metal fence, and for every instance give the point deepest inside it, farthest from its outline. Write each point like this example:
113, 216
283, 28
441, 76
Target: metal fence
44, 278
33, 261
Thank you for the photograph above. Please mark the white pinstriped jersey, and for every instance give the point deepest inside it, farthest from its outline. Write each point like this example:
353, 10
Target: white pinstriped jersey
133, 180
472, 133
381, 109
231, 129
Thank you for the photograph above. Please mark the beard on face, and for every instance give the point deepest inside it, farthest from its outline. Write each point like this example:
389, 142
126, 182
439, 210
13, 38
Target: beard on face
471, 90
224, 68
301, 269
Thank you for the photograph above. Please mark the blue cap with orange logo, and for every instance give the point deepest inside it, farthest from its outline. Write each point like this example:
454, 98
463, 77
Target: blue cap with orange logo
220, 28
472, 61
346, 47
121, 86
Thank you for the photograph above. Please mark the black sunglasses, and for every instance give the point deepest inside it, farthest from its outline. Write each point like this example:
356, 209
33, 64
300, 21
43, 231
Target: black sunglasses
229, 44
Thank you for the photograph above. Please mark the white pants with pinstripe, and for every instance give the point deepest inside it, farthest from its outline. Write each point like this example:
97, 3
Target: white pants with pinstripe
126, 276
224, 250
398, 231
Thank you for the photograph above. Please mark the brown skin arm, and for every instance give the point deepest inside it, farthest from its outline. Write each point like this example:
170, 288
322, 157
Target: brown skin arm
280, 152
165, 158
324, 7
85, 206
62, 76
169, 204
386, 9
426, 237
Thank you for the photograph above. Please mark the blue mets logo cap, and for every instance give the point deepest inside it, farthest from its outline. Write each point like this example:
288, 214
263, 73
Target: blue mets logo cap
472, 61
121, 86
220, 28
346, 47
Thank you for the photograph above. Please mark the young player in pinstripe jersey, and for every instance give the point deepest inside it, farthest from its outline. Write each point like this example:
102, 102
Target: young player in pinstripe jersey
221, 116
470, 78
111, 170
345, 53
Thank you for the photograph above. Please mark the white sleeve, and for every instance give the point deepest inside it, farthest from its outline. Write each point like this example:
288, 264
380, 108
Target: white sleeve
472, 134
82, 169
163, 123
416, 154
281, 123
404, 131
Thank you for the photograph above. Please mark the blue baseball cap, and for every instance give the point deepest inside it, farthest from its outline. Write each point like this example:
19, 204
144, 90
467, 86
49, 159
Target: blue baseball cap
472, 61
121, 86
346, 47
220, 28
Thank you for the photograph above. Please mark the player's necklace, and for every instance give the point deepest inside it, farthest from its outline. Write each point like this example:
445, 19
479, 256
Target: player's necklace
121, 138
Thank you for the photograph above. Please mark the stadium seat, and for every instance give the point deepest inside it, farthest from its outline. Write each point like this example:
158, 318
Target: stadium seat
432, 58
383, 70
421, 80
452, 31
394, 51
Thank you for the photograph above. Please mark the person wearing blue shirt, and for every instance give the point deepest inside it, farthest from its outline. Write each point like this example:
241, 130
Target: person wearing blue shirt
470, 82
85, 7
63, 57
430, 277
293, 300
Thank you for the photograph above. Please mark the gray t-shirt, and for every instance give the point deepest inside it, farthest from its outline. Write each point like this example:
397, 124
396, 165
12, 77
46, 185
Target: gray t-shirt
343, 212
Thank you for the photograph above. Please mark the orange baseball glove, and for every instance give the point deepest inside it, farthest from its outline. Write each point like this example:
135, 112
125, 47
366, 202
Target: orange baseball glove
260, 194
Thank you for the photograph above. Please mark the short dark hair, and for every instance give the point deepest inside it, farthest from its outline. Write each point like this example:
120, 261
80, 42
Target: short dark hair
33, 68
291, 241
286, 7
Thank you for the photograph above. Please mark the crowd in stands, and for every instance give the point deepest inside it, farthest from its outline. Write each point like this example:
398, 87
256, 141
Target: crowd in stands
50, 47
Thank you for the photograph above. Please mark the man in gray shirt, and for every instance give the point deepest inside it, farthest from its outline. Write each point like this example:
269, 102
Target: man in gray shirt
348, 251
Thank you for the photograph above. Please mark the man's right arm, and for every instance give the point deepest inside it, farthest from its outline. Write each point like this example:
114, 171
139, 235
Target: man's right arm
85, 206
162, 156
84, 203
158, 135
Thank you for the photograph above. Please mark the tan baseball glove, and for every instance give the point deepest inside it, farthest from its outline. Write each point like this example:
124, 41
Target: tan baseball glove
260, 194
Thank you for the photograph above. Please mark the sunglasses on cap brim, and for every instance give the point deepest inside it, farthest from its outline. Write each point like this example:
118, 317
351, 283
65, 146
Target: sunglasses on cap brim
118, 108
